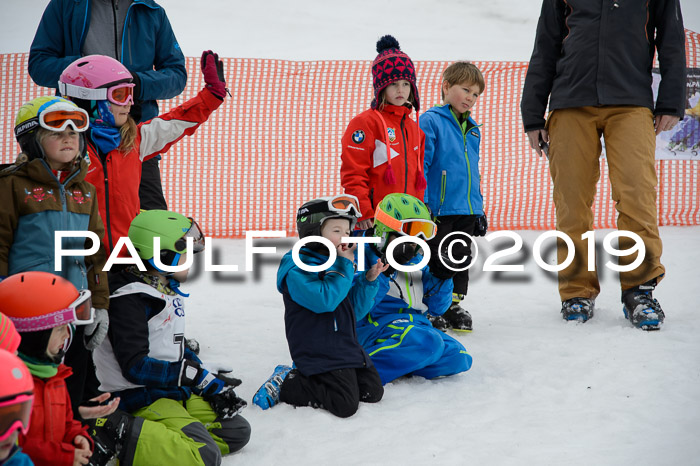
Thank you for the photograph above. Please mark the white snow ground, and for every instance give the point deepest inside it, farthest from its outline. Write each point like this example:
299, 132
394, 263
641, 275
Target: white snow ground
541, 391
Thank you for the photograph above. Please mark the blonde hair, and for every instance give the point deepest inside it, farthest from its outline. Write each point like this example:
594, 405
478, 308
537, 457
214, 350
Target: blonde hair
462, 72
128, 133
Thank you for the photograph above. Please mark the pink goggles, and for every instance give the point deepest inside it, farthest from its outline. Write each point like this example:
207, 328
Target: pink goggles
80, 312
15, 415
119, 94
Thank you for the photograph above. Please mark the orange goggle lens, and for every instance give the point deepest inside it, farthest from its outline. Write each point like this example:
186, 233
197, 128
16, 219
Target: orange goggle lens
122, 95
419, 227
59, 120
345, 203
15, 415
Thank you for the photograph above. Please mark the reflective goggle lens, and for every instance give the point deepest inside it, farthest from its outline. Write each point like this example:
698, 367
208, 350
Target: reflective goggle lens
196, 234
82, 307
121, 94
59, 120
345, 203
419, 227
15, 415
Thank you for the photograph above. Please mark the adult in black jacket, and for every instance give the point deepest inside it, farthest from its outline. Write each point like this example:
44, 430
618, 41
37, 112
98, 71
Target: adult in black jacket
592, 61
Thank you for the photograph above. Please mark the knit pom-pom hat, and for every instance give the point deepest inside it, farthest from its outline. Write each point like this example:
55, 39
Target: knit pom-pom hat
392, 65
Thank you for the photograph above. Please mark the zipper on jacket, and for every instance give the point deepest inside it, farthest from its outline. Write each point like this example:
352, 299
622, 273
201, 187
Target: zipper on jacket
466, 157
443, 189
115, 7
108, 226
405, 156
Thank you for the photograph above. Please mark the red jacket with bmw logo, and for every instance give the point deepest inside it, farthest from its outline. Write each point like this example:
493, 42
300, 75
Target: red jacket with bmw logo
366, 170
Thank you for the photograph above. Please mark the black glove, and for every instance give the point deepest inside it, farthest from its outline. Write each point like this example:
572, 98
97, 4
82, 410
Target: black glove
201, 380
137, 86
226, 404
481, 225
403, 253
442, 269
228, 379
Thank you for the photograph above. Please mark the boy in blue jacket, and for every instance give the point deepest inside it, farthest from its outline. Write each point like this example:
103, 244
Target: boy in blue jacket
331, 370
397, 333
453, 194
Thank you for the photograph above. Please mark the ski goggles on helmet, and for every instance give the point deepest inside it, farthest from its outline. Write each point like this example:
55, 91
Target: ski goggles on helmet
410, 227
119, 94
15, 415
79, 312
340, 204
56, 116
196, 234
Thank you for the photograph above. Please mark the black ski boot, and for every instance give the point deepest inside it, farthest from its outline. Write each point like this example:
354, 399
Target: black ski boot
438, 322
640, 307
113, 436
580, 309
458, 318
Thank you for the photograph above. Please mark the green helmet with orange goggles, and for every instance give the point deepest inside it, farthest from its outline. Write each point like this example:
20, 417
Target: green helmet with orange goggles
172, 228
50, 113
312, 214
16, 395
404, 215
36, 301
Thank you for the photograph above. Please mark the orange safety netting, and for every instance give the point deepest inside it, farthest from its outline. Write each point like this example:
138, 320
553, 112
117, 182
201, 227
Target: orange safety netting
276, 144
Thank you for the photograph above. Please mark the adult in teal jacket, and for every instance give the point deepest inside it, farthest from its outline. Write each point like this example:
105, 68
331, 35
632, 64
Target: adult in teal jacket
135, 32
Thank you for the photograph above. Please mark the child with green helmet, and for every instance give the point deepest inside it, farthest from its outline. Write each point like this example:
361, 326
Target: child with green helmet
45, 191
183, 408
397, 333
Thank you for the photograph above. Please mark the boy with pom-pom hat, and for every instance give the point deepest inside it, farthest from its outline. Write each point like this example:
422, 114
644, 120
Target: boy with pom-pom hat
382, 146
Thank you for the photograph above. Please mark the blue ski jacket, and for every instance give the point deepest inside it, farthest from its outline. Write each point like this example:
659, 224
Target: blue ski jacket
406, 292
320, 310
451, 163
148, 49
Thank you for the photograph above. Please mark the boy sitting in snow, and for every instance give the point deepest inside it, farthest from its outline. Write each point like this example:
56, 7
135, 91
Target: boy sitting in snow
184, 414
331, 370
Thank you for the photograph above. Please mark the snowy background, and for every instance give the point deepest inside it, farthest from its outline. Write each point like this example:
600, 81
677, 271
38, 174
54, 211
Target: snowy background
541, 391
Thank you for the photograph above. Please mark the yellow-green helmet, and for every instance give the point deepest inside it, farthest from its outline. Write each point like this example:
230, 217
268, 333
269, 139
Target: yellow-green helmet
391, 215
29, 120
171, 227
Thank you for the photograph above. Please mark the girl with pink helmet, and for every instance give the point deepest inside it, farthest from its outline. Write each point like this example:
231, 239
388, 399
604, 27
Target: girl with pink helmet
117, 146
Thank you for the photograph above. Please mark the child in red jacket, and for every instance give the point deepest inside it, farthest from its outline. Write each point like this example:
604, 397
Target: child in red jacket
382, 146
41, 306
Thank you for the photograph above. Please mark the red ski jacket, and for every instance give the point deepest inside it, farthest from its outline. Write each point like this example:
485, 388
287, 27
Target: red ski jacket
364, 171
117, 178
52, 427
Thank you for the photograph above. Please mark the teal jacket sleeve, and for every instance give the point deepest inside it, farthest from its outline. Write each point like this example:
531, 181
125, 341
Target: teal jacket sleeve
324, 291
362, 294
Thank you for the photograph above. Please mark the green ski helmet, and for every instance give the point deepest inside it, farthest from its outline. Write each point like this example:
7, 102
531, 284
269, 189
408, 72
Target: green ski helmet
51, 113
172, 228
404, 215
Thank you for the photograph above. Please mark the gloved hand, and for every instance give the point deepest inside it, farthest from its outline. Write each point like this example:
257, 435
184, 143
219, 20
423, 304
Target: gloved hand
228, 379
403, 253
443, 269
137, 86
96, 332
481, 226
201, 380
226, 404
213, 71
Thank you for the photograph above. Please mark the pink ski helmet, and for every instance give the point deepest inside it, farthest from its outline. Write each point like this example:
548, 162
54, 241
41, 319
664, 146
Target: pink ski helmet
97, 77
16, 395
